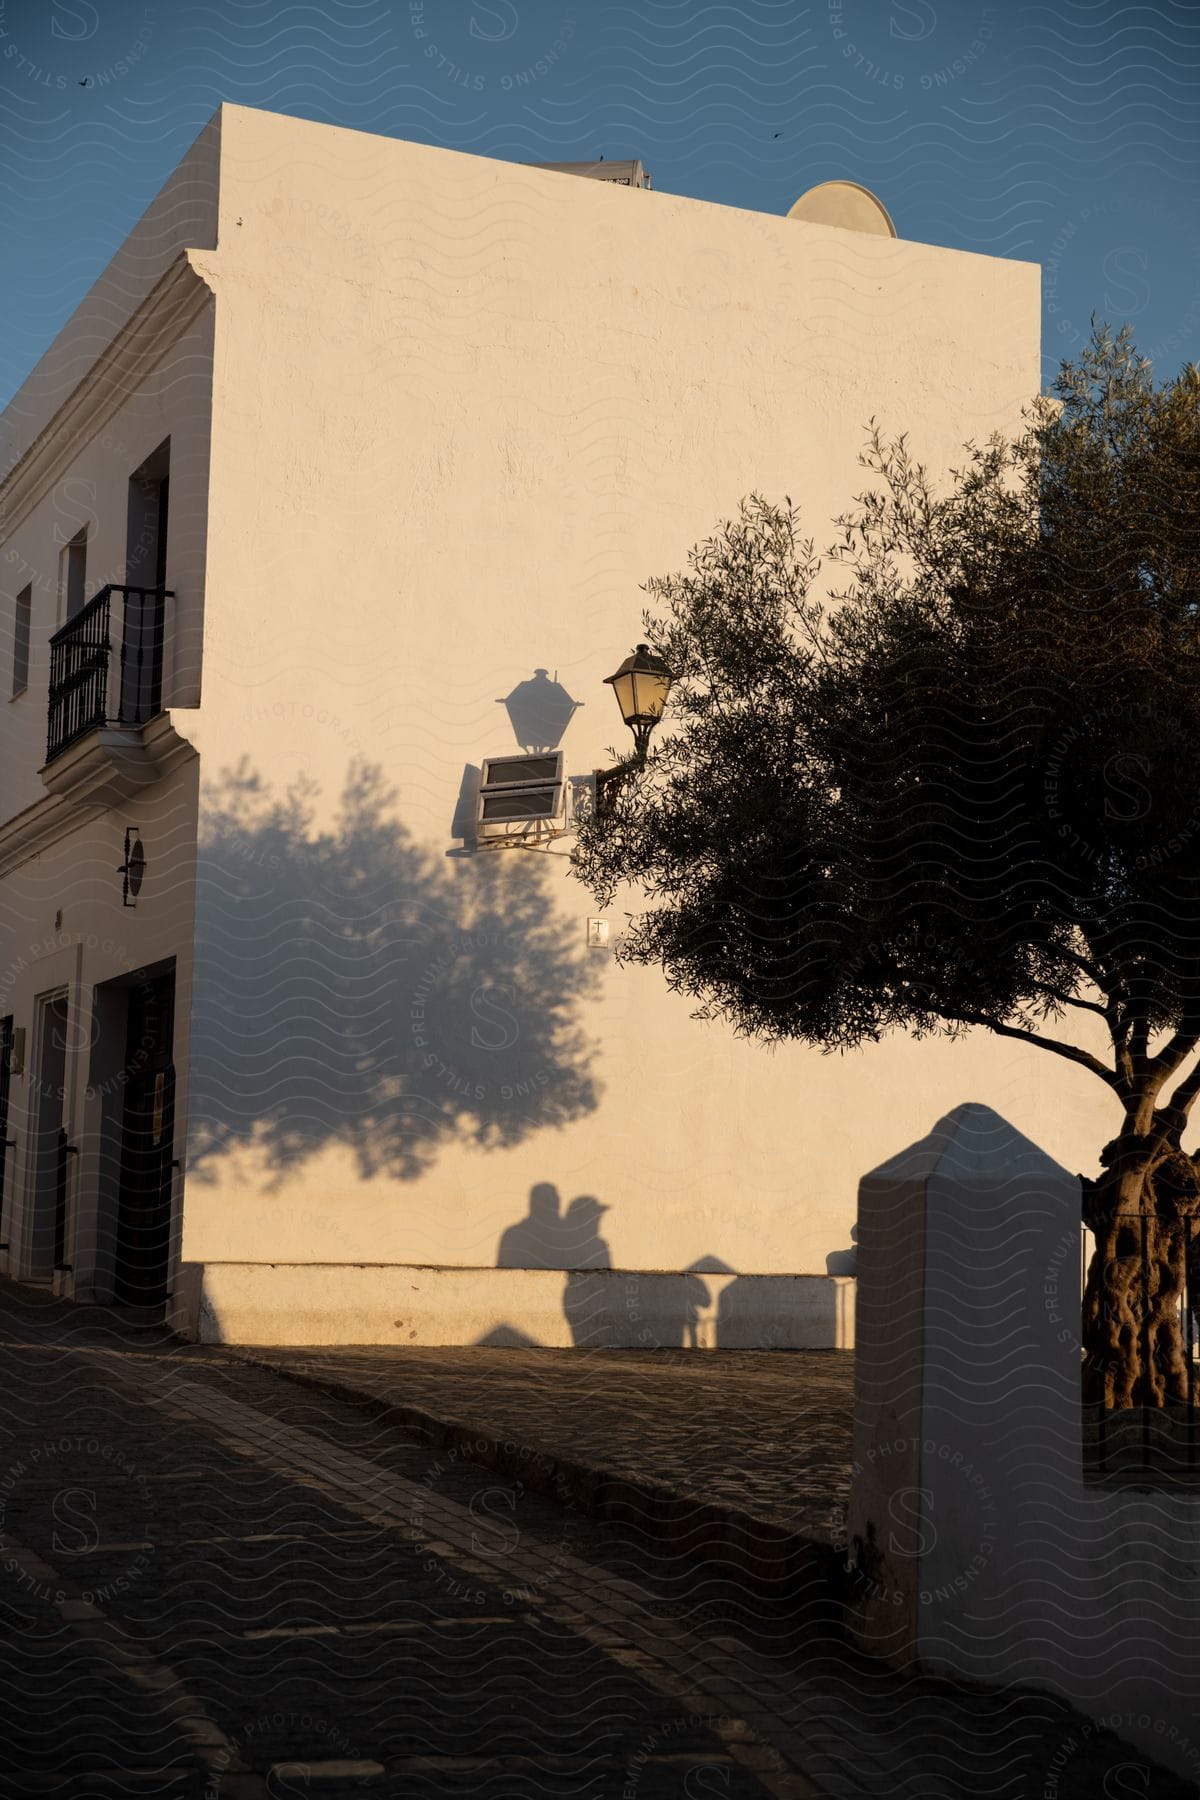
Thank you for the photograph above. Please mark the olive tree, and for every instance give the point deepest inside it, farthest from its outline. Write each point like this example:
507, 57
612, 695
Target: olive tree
947, 778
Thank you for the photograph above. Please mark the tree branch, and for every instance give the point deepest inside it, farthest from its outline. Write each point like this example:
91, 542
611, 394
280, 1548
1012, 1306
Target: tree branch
1092, 1006
1070, 1052
1126, 1065
1091, 969
1139, 1042
1175, 1051
1181, 1100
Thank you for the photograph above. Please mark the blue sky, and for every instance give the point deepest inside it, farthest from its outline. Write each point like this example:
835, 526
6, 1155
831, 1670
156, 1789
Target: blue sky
1066, 134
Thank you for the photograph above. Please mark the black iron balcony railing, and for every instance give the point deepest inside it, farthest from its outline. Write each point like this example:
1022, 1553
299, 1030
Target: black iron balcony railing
88, 688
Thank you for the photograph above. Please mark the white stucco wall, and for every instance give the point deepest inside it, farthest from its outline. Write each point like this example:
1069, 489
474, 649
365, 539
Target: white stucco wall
98, 939
462, 409
595, 1309
77, 433
87, 489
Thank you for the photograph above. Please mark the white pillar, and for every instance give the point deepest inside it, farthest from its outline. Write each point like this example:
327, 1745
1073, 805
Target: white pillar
979, 1549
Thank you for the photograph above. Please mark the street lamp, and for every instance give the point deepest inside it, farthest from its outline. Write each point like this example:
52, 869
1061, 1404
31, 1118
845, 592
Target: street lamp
641, 686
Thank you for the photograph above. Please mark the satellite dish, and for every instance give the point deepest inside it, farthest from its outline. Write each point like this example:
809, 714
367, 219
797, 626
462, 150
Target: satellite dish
846, 204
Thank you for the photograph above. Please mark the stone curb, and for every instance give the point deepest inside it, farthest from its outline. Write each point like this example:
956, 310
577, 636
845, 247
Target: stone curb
753, 1554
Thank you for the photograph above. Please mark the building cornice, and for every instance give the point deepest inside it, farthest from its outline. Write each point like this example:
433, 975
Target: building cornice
172, 304
107, 768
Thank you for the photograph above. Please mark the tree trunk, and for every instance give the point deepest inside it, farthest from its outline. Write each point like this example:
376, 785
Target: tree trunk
1137, 1332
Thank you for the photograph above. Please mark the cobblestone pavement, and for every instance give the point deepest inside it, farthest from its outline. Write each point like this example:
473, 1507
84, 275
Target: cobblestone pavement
216, 1582
767, 1433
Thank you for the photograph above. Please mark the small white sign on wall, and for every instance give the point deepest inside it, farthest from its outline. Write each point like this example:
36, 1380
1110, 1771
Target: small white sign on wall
597, 934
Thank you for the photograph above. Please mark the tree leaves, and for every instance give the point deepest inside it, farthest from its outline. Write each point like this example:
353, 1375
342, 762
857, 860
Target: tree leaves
966, 791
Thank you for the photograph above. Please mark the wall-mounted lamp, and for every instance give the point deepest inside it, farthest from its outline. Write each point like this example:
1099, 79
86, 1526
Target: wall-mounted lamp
133, 868
641, 686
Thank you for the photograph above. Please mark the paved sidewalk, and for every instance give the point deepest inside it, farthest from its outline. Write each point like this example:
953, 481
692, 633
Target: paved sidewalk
221, 1584
737, 1457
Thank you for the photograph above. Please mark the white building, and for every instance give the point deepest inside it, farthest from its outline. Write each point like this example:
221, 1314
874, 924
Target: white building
400, 432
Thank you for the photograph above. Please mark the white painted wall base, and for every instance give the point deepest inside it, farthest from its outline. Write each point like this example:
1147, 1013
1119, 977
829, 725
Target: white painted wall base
355, 1303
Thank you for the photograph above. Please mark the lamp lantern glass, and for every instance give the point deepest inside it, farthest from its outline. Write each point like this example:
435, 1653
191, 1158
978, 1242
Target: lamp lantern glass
641, 686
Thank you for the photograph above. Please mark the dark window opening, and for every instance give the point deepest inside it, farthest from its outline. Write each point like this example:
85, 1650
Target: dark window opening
22, 622
72, 575
146, 529
145, 577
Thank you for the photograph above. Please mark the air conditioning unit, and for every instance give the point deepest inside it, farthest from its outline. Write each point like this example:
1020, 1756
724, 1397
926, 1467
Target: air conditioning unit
521, 798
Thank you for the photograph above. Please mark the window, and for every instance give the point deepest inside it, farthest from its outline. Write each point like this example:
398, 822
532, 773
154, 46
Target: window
22, 619
146, 528
145, 574
72, 573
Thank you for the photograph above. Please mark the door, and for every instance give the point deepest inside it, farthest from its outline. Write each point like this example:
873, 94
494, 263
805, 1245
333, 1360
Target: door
143, 1245
51, 1151
6, 1143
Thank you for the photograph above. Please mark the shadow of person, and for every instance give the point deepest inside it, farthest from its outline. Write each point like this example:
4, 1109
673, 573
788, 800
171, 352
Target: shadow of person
696, 1298
740, 1325
667, 1312
536, 1241
581, 1234
844, 1262
590, 1296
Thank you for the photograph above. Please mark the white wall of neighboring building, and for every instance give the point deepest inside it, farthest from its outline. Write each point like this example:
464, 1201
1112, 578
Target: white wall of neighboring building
63, 917
66, 926
462, 410
88, 490
131, 369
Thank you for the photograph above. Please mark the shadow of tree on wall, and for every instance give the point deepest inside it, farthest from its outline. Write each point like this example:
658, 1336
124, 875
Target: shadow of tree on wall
352, 987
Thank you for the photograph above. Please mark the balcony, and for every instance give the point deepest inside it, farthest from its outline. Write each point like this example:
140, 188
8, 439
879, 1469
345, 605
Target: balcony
90, 689
108, 738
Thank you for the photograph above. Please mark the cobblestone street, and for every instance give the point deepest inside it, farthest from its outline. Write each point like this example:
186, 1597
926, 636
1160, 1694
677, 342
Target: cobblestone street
764, 1433
218, 1582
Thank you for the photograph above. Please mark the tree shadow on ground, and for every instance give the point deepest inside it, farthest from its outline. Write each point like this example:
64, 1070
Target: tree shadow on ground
354, 988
